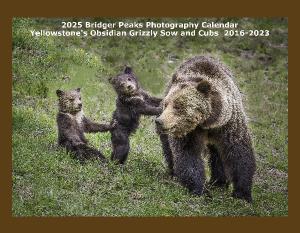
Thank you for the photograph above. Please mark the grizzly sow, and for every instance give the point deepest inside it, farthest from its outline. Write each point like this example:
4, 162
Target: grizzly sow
72, 124
203, 109
132, 102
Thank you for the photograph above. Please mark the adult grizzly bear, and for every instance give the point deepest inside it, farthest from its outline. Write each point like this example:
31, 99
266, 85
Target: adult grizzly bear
132, 102
203, 107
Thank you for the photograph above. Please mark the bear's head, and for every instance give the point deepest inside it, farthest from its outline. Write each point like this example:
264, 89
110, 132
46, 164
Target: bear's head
187, 105
126, 83
69, 101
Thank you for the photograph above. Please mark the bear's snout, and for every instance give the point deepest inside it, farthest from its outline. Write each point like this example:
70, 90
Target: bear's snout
158, 122
160, 126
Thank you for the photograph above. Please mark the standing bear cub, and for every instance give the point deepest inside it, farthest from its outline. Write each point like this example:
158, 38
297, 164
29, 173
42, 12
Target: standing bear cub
203, 109
132, 102
72, 124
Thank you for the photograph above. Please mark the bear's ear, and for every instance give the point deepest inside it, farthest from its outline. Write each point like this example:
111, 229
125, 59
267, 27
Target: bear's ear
59, 93
127, 70
111, 80
204, 87
176, 78
78, 89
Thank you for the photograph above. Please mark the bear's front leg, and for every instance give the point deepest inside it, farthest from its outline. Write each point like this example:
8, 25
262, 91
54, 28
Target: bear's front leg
218, 177
147, 109
93, 127
155, 101
136, 100
108, 127
152, 100
167, 152
142, 107
188, 164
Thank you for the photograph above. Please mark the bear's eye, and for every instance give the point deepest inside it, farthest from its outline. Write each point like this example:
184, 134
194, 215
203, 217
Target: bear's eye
129, 79
79, 98
177, 106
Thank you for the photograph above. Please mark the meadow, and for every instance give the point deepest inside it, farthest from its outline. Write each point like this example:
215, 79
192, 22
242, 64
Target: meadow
48, 182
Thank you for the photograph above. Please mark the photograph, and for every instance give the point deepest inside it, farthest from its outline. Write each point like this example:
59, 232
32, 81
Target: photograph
149, 116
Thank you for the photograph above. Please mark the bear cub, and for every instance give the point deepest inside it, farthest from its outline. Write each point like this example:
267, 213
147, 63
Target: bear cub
132, 102
72, 124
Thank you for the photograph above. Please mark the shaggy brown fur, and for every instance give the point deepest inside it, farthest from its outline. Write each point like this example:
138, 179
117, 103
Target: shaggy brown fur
203, 107
72, 124
131, 103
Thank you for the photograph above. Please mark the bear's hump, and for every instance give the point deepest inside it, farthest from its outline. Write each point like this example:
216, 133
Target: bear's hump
204, 65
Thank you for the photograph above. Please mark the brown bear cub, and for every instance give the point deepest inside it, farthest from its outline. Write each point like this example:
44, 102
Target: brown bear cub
132, 102
72, 124
203, 109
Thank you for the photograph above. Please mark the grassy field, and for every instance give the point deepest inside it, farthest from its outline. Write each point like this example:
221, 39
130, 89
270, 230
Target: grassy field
47, 182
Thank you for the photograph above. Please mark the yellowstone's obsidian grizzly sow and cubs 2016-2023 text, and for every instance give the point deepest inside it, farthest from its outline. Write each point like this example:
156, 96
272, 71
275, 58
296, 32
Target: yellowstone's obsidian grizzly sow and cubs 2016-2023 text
203, 107
132, 102
72, 124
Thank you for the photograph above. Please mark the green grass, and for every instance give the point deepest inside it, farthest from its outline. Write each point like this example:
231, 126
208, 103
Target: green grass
47, 182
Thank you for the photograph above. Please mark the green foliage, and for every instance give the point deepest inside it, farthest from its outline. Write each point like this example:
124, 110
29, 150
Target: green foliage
39, 60
47, 182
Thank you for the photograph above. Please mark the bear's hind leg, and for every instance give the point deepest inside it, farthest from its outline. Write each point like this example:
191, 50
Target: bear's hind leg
120, 144
243, 168
218, 177
84, 152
